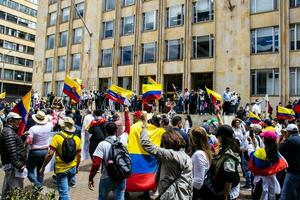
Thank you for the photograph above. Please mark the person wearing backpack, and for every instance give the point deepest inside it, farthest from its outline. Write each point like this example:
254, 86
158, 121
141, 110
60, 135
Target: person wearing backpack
67, 149
116, 165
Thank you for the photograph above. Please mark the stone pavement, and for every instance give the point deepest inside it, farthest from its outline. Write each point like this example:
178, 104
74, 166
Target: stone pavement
81, 191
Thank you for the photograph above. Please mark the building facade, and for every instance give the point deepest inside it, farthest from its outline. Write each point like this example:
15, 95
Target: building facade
17, 40
251, 46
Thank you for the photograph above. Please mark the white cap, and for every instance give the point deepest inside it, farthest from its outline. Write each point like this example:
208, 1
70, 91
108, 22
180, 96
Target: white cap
292, 128
13, 115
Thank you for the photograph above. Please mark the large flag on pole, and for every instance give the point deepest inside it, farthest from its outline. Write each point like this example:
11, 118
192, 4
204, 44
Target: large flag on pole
216, 98
72, 89
253, 118
151, 92
119, 94
285, 113
22, 108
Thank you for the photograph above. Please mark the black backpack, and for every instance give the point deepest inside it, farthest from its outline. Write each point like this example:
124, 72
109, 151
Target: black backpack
119, 163
68, 148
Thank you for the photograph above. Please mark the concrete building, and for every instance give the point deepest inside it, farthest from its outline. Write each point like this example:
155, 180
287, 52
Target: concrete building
17, 41
251, 46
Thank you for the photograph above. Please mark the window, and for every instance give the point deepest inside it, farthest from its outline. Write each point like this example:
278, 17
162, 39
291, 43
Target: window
109, 5
294, 3
52, 18
47, 88
175, 16
127, 2
59, 88
61, 63
11, 18
106, 60
258, 6
174, 50
19, 76
79, 11
265, 40
127, 25
50, 41
295, 36
49, 65
203, 46
126, 55
63, 38
29, 63
125, 82
265, 82
77, 36
65, 14
8, 74
75, 61
203, 10
295, 81
149, 21
28, 77
108, 29
149, 52
52, 1
19, 61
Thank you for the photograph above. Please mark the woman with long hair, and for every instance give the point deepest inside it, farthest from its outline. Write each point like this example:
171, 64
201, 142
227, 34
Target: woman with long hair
265, 163
174, 175
200, 151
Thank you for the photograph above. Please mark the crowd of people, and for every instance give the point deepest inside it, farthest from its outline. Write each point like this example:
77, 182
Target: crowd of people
195, 161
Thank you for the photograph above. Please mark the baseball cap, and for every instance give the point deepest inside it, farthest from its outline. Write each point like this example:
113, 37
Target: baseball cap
292, 128
269, 135
13, 115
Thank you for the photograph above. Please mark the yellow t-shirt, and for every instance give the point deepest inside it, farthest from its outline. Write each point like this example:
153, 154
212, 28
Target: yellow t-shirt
56, 144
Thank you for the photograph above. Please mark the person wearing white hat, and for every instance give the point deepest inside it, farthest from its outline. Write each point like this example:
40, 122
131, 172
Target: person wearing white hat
290, 150
13, 154
38, 141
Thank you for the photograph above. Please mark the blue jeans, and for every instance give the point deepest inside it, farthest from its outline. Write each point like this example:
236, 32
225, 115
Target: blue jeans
246, 171
35, 161
106, 185
291, 187
64, 181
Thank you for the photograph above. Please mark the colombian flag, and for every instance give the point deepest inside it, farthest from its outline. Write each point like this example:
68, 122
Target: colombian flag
253, 118
285, 113
151, 92
72, 89
151, 81
297, 109
144, 166
2, 95
118, 94
22, 108
259, 165
216, 98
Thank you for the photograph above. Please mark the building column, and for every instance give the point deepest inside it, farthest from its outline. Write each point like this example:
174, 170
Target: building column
161, 42
116, 48
187, 44
137, 48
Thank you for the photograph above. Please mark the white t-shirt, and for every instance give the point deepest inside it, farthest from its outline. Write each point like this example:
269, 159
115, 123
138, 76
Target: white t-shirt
39, 135
200, 167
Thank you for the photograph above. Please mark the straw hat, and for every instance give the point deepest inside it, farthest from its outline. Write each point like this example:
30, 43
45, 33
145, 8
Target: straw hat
68, 125
40, 118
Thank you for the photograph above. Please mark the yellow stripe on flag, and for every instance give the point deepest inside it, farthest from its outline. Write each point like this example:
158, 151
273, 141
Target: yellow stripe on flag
151, 81
2, 95
121, 91
213, 93
151, 87
283, 110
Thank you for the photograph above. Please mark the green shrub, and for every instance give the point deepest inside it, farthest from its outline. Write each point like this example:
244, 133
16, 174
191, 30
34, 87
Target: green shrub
35, 193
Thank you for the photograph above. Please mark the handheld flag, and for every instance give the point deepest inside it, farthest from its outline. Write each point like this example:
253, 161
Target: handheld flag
22, 108
253, 118
216, 98
119, 95
151, 92
285, 113
72, 89
151, 81
2, 95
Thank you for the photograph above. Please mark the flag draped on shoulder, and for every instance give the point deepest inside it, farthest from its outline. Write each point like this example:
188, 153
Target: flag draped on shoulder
144, 166
216, 98
22, 108
72, 89
253, 118
3, 95
119, 94
151, 92
285, 113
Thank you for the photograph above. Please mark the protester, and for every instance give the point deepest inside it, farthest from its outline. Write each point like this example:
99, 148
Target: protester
175, 168
201, 154
13, 155
67, 149
38, 141
290, 149
227, 101
177, 126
